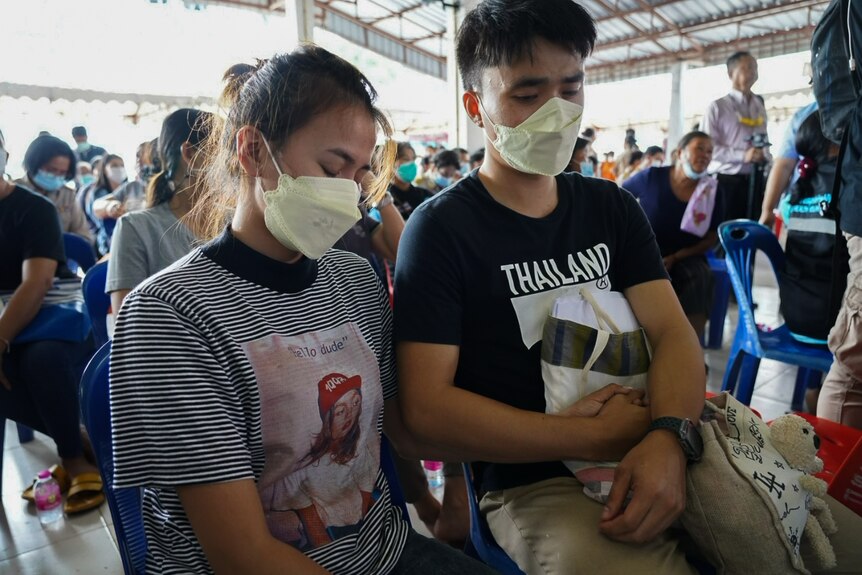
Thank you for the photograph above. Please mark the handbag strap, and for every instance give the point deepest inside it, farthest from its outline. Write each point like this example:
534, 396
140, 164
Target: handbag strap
602, 338
602, 317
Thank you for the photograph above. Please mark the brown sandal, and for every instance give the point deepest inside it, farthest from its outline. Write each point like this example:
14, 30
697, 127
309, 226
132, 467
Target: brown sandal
85, 493
60, 475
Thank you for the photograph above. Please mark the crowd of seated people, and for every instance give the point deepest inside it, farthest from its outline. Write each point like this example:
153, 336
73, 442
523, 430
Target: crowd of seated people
288, 289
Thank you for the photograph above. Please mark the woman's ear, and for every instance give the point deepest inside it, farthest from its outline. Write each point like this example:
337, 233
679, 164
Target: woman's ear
251, 150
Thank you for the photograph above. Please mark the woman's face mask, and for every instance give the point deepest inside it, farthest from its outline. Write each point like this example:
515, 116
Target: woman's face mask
117, 174
48, 181
408, 171
308, 214
543, 143
689, 170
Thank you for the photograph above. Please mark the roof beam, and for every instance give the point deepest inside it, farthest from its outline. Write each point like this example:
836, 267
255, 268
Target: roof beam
414, 22
780, 42
631, 24
395, 14
653, 10
716, 22
616, 13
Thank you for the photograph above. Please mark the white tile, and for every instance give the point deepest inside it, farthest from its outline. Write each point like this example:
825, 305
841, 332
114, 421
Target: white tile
86, 554
21, 532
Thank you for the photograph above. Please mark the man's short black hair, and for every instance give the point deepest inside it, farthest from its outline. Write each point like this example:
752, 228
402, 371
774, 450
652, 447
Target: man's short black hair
653, 150
581, 143
501, 32
447, 158
78, 131
478, 156
734, 59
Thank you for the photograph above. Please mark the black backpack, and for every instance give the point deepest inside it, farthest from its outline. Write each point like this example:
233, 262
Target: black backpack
835, 80
837, 84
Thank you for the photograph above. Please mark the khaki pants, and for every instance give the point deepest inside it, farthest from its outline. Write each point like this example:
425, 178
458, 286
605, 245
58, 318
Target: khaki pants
841, 397
551, 528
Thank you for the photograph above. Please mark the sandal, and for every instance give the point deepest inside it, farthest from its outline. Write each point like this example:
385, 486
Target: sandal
60, 476
85, 493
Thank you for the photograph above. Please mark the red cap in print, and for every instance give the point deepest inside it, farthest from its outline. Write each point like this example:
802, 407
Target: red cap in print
332, 388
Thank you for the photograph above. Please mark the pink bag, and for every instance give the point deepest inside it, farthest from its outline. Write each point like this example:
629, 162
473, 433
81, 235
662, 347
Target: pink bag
698, 213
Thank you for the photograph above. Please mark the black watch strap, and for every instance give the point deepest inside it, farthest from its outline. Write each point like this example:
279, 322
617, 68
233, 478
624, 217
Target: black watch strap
689, 438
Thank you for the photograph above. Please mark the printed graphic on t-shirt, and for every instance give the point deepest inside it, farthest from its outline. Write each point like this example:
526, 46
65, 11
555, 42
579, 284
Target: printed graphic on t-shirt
320, 399
536, 285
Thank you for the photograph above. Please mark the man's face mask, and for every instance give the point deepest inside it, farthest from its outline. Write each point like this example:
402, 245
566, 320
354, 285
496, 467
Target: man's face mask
543, 143
307, 214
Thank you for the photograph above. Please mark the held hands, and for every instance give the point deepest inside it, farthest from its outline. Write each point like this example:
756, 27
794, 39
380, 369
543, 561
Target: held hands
592, 404
669, 261
622, 414
655, 473
115, 209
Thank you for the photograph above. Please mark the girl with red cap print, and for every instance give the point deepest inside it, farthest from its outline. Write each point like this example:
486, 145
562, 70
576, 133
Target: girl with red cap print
248, 380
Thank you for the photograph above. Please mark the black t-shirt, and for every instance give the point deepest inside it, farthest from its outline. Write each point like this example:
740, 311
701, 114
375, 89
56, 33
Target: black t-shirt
473, 273
29, 228
358, 238
408, 200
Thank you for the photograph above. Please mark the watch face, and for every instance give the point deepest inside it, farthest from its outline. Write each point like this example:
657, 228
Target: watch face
692, 442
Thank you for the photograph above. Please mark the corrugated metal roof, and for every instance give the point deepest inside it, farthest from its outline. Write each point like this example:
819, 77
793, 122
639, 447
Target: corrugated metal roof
636, 37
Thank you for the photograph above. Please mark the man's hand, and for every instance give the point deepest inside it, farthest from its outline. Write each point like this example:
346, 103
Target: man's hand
767, 218
754, 155
655, 473
115, 209
592, 404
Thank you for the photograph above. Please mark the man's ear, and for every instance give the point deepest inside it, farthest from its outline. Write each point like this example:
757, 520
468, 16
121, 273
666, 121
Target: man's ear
251, 150
471, 105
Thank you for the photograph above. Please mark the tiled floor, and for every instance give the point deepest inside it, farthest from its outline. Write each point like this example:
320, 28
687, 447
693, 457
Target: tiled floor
85, 544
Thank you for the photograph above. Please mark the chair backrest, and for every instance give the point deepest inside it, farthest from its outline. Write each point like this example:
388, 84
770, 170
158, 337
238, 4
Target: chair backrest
124, 504
98, 302
741, 240
79, 252
481, 537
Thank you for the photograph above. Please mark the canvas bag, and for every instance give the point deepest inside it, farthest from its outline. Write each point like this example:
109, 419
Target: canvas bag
590, 340
698, 212
745, 508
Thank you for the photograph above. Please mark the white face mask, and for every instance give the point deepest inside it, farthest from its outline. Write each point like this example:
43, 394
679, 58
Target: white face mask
117, 174
309, 215
543, 143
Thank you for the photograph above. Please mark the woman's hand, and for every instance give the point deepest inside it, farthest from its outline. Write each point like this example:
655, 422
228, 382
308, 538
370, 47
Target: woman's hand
590, 405
115, 209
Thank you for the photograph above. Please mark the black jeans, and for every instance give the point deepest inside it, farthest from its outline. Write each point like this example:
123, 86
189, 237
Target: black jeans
45, 376
423, 556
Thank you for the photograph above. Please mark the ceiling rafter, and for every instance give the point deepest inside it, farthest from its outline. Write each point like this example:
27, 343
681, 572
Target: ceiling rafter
715, 22
632, 25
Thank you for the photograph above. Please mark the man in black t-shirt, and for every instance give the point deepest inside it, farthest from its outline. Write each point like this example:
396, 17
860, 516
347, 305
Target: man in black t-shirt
479, 268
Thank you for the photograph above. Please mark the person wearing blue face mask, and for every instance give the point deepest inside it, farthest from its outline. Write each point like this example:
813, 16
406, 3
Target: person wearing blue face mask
85, 151
406, 196
447, 168
664, 193
50, 164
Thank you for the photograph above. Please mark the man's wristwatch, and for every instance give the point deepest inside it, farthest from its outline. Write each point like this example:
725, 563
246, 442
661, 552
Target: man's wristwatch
689, 438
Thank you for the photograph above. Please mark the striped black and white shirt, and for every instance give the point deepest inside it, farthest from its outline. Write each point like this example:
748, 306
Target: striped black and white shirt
230, 365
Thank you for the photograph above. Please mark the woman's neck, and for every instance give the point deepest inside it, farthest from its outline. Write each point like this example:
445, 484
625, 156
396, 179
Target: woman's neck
681, 185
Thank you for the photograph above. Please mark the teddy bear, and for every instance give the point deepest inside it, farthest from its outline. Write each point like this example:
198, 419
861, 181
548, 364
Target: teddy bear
796, 440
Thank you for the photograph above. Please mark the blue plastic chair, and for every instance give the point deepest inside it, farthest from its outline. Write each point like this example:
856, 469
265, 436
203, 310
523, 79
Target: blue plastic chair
79, 252
124, 504
98, 302
481, 544
720, 300
741, 240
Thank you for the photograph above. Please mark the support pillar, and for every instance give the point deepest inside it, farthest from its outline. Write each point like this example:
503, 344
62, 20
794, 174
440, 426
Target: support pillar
462, 131
676, 128
300, 21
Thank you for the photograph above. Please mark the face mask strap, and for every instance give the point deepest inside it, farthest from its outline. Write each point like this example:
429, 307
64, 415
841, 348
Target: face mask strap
271, 156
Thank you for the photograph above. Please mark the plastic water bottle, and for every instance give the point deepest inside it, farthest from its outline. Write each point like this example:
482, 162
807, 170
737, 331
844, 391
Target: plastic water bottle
49, 500
434, 473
